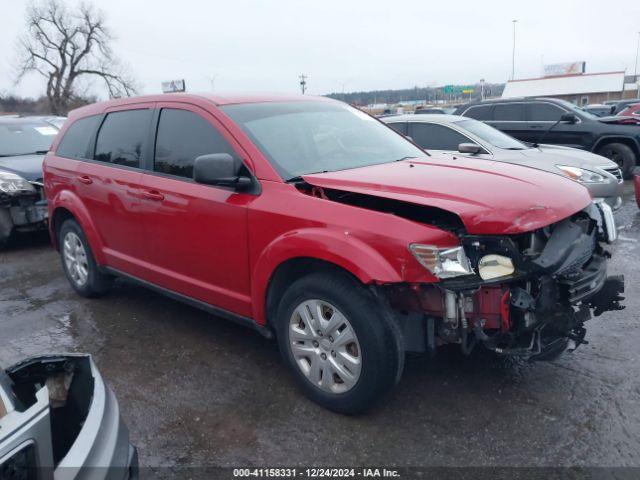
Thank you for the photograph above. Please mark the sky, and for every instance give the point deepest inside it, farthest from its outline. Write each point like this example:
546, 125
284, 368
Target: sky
345, 45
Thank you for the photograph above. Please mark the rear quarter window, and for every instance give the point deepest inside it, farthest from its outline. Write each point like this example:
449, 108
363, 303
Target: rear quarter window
122, 136
75, 143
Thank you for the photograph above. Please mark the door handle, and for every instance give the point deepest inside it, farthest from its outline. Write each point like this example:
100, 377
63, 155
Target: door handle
85, 179
536, 127
153, 195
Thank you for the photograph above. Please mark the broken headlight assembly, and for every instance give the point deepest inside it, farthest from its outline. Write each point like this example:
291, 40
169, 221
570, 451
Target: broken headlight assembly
442, 262
495, 266
581, 175
12, 184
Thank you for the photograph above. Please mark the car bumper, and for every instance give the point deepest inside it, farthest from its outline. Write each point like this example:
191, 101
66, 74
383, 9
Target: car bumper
23, 215
611, 193
102, 448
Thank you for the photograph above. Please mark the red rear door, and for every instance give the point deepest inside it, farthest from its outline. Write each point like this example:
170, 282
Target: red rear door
196, 235
109, 185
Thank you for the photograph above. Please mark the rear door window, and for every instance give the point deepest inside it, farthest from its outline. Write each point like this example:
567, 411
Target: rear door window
480, 112
509, 112
121, 138
182, 137
544, 112
436, 137
75, 143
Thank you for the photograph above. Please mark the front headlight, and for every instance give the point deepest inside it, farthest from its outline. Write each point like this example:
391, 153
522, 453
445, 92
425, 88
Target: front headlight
13, 184
442, 262
581, 175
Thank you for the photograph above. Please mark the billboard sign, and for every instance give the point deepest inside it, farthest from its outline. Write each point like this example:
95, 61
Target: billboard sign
569, 68
173, 86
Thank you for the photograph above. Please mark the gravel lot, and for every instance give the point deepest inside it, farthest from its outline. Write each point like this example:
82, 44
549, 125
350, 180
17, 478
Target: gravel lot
196, 390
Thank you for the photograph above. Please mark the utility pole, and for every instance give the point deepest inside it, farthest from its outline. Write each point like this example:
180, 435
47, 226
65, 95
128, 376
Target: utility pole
212, 80
303, 83
482, 89
513, 55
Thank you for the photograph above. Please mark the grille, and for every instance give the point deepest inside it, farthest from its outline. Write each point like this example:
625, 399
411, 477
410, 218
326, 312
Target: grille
615, 171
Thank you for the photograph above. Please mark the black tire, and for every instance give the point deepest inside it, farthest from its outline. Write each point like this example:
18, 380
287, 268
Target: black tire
623, 155
97, 283
378, 334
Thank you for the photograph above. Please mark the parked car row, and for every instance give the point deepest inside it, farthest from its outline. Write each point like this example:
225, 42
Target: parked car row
458, 135
548, 120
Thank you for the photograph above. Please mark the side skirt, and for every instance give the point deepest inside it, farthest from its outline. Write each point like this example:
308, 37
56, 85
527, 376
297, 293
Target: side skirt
213, 310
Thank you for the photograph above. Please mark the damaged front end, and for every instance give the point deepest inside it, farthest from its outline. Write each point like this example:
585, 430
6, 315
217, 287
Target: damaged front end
526, 294
23, 207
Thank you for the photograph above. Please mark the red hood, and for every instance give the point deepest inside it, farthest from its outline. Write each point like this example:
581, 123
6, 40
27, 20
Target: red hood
491, 198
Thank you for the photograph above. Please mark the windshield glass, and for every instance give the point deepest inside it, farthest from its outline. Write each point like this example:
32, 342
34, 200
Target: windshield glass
21, 138
491, 135
316, 136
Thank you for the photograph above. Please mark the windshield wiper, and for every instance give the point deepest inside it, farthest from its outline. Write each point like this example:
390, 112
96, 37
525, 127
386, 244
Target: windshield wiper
37, 152
295, 179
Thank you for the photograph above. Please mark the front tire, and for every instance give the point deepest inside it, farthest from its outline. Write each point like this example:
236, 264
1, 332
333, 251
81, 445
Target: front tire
341, 344
78, 262
621, 154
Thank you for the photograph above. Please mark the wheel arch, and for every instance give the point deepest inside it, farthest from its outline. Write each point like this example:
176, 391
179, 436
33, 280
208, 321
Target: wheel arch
68, 206
607, 139
292, 256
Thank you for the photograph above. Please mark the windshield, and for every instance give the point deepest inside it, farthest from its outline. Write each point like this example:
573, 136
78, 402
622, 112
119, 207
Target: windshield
22, 138
316, 136
491, 135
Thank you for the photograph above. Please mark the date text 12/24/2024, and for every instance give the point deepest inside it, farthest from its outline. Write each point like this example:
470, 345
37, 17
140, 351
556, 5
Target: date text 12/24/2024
315, 473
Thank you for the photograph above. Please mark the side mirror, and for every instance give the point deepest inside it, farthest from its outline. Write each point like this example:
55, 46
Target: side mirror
220, 169
569, 117
471, 148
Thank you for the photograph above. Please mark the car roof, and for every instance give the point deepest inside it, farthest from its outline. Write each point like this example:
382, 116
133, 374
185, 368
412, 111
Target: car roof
492, 101
217, 100
12, 120
426, 117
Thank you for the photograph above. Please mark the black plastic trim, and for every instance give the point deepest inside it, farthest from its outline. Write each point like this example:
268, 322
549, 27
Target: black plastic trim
227, 315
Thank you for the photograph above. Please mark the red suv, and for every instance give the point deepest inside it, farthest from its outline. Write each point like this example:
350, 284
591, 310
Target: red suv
311, 221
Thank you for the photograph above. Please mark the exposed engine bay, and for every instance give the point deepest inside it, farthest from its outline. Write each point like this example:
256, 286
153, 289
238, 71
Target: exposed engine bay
556, 279
528, 294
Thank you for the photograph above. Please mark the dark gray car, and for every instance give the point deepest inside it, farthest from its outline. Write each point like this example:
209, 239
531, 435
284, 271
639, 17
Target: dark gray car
464, 136
58, 419
23, 143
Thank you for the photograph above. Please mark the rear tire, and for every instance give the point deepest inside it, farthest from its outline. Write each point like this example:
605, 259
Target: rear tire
78, 262
345, 380
623, 155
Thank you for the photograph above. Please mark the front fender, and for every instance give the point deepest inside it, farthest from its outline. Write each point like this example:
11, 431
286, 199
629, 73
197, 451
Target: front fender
337, 247
71, 202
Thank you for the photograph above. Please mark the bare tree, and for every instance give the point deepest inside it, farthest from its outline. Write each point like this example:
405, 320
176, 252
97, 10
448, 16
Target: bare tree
66, 47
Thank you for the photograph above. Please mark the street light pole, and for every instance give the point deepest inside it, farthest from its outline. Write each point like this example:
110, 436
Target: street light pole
513, 54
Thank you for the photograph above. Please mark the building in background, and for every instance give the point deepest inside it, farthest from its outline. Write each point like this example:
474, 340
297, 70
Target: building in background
576, 86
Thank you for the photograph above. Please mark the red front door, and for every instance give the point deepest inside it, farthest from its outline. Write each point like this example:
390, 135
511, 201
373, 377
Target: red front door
195, 235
